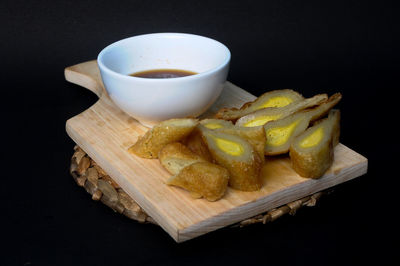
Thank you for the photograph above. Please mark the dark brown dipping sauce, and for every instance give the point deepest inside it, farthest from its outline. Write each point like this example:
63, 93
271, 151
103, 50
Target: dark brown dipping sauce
162, 73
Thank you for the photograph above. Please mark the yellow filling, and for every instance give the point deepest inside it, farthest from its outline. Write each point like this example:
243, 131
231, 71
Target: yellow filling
261, 120
313, 139
278, 101
229, 147
279, 135
213, 125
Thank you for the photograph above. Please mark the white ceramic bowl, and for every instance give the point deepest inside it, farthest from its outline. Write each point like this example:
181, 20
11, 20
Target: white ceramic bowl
153, 100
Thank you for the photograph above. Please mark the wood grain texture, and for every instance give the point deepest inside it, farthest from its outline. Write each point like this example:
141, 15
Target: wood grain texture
105, 133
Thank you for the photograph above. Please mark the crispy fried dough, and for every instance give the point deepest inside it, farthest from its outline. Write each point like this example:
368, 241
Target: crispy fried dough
176, 156
281, 132
211, 123
149, 145
238, 157
311, 152
254, 135
195, 141
261, 117
275, 98
202, 179
196, 144
335, 115
324, 108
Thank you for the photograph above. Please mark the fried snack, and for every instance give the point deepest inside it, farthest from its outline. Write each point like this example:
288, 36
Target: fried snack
334, 114
324, 108
261, 117
281, 132
215, 123
254, 135
202, 179
195, 141
176, 156
311, 152
196, 144
275, 98
238, 157
149, 145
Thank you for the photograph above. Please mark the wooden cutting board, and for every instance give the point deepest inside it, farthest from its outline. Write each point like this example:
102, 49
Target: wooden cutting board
105, 133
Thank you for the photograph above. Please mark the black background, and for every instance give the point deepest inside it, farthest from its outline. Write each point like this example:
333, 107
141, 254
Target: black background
311, 46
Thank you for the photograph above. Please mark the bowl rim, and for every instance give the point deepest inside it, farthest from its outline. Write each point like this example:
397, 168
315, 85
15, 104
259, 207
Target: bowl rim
191, 77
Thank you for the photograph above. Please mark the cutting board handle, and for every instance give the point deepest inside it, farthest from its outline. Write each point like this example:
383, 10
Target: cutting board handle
87, 75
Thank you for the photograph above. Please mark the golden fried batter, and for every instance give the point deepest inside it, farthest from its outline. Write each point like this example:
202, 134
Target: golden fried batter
275, 98
311, 152
281, 132
202, 179
263, 116
195, 141
149, 145
196, 144
254, 135
238, 157
176, 156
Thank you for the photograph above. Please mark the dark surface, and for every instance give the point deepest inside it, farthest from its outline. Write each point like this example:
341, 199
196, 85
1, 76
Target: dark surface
314, 47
